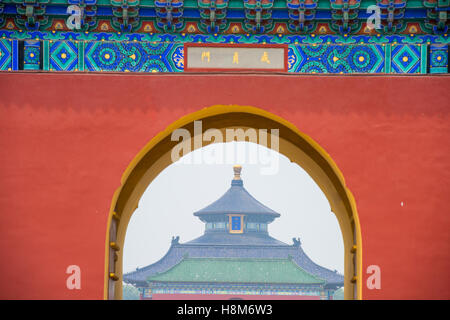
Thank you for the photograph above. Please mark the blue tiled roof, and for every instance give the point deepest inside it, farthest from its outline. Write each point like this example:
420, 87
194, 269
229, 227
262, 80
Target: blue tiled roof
237, 200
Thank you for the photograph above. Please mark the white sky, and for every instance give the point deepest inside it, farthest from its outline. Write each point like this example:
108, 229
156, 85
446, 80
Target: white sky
166, 207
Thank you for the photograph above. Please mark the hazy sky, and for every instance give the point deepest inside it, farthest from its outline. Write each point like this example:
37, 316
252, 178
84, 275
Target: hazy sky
166, 207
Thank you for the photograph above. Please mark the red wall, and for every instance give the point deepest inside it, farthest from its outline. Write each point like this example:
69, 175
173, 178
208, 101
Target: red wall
66, 139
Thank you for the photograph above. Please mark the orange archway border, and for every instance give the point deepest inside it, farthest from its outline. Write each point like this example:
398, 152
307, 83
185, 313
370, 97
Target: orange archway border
294, 144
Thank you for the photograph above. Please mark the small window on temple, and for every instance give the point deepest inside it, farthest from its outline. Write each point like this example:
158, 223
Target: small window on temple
236, 225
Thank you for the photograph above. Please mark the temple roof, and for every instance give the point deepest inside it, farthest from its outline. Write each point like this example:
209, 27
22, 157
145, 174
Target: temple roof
236, 270
237, 200
254, 249
178, 252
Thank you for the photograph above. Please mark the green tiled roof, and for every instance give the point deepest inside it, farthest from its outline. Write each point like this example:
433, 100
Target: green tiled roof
236, 270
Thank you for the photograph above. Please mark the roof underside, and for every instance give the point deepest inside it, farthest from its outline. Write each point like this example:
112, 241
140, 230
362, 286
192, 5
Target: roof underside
244, 270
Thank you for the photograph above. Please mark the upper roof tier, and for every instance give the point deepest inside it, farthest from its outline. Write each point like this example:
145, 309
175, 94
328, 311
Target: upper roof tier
237, 200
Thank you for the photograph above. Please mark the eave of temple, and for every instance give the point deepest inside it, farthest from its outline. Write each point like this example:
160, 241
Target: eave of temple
190, 16
179, 251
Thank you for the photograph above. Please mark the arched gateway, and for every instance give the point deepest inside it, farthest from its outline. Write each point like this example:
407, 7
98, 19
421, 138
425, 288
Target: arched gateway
296, 146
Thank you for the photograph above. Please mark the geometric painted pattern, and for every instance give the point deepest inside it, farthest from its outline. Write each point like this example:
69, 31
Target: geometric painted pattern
438, 58
63, 56
90, 51
8, 55
405, 59
336, 58
132, 57
32, 54
381, 39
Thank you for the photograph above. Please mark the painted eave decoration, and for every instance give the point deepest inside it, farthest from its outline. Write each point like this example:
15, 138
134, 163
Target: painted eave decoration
320, 36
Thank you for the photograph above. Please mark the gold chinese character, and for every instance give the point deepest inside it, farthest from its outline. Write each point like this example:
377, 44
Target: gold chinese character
205, 55
265, 58
236, 57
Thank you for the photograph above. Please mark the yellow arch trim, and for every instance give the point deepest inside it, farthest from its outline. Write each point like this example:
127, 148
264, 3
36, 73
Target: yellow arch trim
294, 144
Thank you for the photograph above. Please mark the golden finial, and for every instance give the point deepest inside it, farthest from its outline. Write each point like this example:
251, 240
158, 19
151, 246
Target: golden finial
237, 172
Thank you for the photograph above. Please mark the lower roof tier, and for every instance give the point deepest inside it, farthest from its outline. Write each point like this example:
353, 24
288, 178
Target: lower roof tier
178, 252
237, 270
